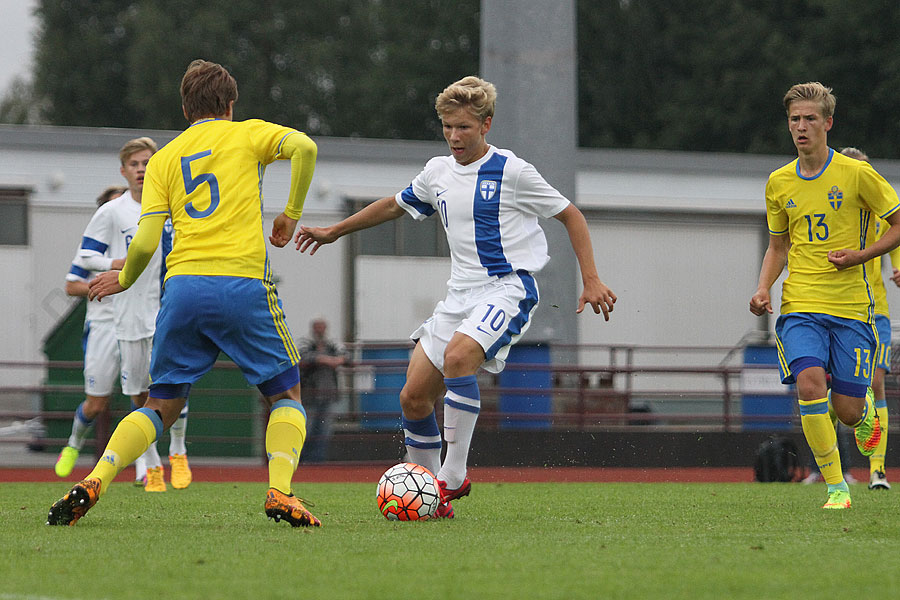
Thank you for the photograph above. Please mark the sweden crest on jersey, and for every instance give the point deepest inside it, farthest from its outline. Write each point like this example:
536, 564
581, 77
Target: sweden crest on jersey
488, 188
835, 197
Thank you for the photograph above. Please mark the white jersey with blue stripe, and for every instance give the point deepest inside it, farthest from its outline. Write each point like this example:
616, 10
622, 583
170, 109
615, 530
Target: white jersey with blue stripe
489, 210
95, 311
110, 232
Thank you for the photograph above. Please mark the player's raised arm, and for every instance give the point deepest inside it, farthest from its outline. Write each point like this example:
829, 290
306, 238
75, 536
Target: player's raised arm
595, 292
302, 152
376, 213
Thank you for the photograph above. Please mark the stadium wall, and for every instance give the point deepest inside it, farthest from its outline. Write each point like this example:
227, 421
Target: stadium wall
678, 236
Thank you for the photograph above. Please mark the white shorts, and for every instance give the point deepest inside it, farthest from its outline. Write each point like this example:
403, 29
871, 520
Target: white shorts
135, 365
101, 357
495, 315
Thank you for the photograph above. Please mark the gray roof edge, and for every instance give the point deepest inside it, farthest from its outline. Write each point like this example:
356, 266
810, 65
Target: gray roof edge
110, 139
700, 162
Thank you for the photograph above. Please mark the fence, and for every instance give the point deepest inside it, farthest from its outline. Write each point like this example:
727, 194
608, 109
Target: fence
582, 389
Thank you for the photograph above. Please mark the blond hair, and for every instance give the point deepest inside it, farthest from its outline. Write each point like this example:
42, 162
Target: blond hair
814, 92
854, 153
473, 93
136, 145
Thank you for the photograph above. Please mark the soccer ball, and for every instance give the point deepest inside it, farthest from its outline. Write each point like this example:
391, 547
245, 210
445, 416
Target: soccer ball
408, 492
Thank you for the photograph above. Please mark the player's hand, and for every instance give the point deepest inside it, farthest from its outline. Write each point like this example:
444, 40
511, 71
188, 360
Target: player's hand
313, 238
103, 285
843, 259
600, 297
895, 277
282, 230
761, 303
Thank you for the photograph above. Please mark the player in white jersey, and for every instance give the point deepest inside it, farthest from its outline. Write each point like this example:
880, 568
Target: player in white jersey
108, 234
489, 201
101, 354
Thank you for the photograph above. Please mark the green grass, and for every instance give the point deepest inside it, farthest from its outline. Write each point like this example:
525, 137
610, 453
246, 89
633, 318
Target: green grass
508, 541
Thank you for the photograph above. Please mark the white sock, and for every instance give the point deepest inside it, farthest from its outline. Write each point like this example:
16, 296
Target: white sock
81, 427
177, 433
151, 457
140, 468
461, 407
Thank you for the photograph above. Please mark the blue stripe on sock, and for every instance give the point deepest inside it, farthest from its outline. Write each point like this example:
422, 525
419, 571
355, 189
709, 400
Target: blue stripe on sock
154, 418
287, 402
466, 386
422, 445
79, 414
881, 403
424, 427
819, 408
461, 406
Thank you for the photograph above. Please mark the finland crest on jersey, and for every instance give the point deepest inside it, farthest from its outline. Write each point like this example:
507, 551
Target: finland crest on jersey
489, 210
488, 188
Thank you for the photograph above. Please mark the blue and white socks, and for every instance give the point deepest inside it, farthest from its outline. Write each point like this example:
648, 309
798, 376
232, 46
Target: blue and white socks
461, 407
81, 427
423, 442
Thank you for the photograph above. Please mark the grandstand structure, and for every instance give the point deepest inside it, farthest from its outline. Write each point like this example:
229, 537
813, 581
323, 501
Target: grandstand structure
677, 235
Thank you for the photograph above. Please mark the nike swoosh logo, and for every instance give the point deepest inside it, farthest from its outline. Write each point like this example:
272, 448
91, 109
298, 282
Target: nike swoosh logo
439, 193
392, 504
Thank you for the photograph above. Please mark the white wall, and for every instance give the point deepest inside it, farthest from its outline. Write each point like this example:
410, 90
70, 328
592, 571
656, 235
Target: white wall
395, 295
677, 283
676, 235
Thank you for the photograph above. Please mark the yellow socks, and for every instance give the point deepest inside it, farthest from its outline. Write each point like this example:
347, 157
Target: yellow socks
285, 435
822, 438
131, 438
876, 461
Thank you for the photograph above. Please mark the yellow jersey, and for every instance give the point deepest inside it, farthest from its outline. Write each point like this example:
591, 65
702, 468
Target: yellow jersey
835, 209
209, 181
881, 301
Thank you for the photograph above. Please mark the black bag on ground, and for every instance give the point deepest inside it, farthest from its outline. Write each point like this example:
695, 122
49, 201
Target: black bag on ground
778, 460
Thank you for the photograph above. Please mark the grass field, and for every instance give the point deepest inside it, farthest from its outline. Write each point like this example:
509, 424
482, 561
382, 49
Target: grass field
514, 540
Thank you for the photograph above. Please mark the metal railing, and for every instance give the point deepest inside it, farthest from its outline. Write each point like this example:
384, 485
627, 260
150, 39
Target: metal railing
633, 387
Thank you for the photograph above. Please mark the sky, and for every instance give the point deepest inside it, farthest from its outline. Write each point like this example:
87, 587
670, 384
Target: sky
17, 28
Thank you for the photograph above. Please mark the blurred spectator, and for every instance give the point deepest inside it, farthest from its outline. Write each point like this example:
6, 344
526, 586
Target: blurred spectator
319, 359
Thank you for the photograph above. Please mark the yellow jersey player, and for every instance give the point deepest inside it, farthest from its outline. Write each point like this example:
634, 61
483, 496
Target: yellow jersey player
219, 291
877, 478
821, 210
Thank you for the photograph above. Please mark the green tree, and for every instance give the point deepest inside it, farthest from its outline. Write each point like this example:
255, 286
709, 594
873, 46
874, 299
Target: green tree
666, 74
80, 61
20, 105
333, 67
709, 76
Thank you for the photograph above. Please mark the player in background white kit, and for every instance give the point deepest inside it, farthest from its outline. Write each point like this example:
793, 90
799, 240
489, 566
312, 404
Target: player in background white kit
101, 354
110, 232
488, 201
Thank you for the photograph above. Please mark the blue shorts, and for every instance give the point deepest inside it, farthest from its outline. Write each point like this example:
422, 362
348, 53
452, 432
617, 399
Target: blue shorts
844, 347
200, 316
883, 356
